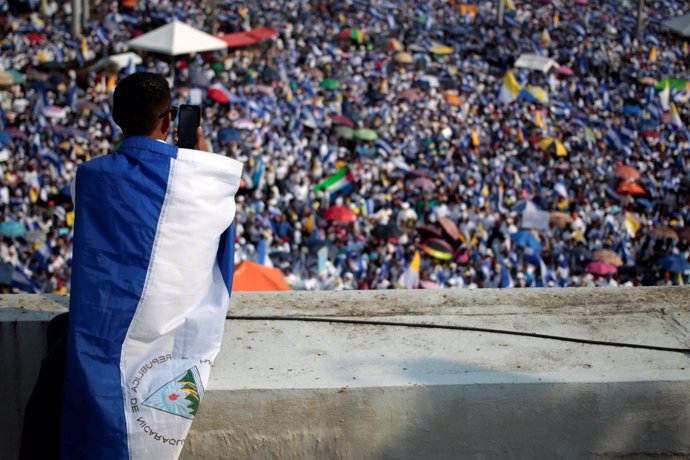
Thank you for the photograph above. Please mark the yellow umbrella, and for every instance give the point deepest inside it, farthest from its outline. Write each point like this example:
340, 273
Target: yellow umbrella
553, 145
404, 58
438, 48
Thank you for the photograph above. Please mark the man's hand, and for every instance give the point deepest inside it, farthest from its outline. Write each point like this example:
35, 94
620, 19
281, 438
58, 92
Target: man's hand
201, 140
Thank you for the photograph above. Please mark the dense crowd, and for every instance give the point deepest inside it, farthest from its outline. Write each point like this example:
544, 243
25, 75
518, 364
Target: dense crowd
380, 148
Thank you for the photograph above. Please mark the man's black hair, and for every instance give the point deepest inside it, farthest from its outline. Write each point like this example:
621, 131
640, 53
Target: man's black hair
138, 101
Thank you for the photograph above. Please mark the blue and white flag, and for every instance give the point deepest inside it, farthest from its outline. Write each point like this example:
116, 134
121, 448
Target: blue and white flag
152, 275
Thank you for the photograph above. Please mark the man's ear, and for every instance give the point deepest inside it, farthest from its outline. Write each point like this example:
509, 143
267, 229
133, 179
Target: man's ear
165, 124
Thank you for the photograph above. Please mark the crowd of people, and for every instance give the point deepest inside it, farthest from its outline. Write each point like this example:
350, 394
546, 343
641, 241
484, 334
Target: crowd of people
386, 144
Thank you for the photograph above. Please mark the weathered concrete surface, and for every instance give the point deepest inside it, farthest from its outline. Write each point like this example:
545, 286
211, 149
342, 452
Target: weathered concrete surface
295, 389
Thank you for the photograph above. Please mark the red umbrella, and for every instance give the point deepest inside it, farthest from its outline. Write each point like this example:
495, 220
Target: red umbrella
340, 214
34, 37
626, 173
631, 188
218, 95
601, 268
343, 120
424, 182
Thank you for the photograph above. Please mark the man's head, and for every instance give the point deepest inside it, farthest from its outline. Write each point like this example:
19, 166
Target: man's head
140, 103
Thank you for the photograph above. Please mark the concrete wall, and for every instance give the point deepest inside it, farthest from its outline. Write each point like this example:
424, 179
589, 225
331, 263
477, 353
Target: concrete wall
294, 389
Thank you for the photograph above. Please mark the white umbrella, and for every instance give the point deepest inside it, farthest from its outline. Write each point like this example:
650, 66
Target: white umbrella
118, 61
53, 111
177, 38
536, 62
243, 123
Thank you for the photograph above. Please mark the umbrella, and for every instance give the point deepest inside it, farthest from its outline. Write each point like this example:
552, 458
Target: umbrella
438, 48
645, 202
403, 58
563, 70
526, 239
553, 146
560, 219
366, 134
675, 264
330, 84
451, 229
626, 173
250, 276
630, 188
345, 132
12, 229
342, 120
387, 232
340, 214
393, 45
664, 232
607, 256
229, 135
438, 249
601, 268
34, 37
243, 123
427, 232
452, 99
53, 111
424, 183
632, 109
353, 34
426, 284
218, 95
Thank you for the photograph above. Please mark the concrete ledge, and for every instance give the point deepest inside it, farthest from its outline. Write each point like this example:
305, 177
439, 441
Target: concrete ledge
300, 389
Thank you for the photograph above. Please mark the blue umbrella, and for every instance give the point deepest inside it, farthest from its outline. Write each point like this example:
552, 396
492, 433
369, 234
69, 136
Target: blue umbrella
675, 264
645, 202
229, 135
12, 229
526, 239
632, 109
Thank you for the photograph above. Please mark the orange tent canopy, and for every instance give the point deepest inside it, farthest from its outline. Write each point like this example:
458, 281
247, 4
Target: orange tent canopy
250, 276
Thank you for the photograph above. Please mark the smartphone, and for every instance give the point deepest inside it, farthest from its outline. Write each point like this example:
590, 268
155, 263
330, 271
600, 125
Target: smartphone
190, 118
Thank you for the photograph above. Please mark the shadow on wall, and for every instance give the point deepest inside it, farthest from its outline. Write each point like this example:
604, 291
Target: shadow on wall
518, 416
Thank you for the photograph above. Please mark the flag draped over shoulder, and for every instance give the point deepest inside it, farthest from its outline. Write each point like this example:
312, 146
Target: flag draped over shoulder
152, 274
